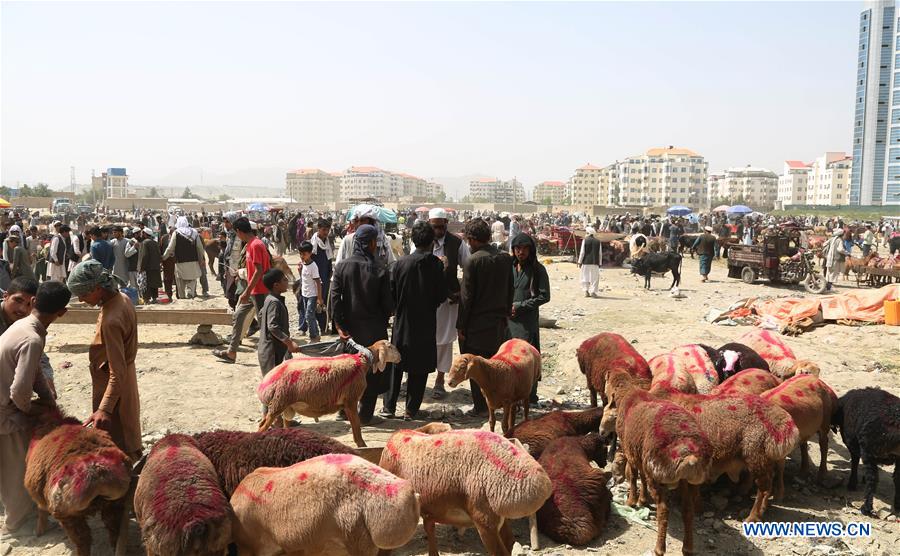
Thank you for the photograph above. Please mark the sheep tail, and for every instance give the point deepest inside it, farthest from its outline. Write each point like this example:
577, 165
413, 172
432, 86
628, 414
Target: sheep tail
778, 446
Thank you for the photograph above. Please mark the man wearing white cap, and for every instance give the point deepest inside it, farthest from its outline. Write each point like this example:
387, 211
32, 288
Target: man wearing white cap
589, 260
132, 252
453, 252
367, 214
13, 230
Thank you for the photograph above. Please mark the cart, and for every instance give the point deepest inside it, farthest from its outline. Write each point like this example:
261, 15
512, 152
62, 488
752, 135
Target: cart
877, 277
779, 258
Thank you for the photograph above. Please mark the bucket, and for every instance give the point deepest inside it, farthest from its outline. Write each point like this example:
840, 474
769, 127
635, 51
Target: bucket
892, 312
131, 293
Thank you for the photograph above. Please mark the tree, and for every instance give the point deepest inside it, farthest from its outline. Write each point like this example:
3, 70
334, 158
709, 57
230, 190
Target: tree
42, 190
5, 192
546, 201
25, 191
187, 193
153, 193
223, 197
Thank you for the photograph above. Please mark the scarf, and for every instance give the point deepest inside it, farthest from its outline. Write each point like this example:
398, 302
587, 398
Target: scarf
319, 243
184, 229
88, 275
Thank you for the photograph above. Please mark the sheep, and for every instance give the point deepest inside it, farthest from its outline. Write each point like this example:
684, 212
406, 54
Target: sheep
662, 443
811, 404
745, 431
696, 361
603, 353
748, 381
538, 433
869, 421
317, 386
667, 371
71, 471
781, 359
734, 357
469, 477
505, 379
579, 508
178, 501
336, 503
234, 454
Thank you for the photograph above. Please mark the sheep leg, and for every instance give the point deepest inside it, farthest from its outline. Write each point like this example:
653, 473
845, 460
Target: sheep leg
109, 514
41, 523
506, 535
896, 507
804, 457
870, 474
854, 466
525, 407
488, 527
509, 417
779, 488
267, 421
763, 489
631, 477
536, 540
644, 497
353, 417
593, 394
688, 497
429, 534
491, 418
79, 533
124, 510
823, 455
660, 495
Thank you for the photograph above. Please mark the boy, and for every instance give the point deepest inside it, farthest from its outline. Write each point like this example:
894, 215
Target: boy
20, 376
18, 256
310, 292
274, 326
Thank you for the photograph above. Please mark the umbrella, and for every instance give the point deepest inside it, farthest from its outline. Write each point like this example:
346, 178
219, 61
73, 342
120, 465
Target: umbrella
257, 207
385, 216
721, 208
679, 210
4, 203
693, 218
422, 209
739, 209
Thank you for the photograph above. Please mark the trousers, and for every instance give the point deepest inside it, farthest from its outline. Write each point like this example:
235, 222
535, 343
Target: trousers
242, 318
16, 500
415, 391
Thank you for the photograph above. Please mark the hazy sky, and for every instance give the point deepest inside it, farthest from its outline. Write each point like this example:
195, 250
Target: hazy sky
532, 90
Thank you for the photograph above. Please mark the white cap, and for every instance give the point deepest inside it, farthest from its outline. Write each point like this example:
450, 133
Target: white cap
148, 231
437, 213
708, 228
366, 211
253, 225
15, 228
136, 230
55, 222
589, 230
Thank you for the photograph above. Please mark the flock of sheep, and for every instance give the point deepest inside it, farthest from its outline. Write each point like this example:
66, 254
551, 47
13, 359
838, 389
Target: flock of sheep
675, 423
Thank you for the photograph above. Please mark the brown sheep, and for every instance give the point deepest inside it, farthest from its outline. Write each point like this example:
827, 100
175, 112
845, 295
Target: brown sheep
537, 434
695, 359
811, 403
748, 381
178, 502
71, 471
579, 508
466, 478
505, 379
745, 432
668, 373
781, 359
317, 386
606, 352
336, 503
663, 444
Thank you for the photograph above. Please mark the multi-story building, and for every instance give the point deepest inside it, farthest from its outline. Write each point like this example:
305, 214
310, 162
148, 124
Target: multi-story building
829, 180
413, 186
756, 187
552, 192
435, 191
495, 190
313, 187
663, 176
113, 183
583, 186
875, 176
360, 182
792, 183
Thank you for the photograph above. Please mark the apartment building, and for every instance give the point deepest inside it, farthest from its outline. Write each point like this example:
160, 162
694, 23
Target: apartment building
113, 183
553, 192
829, 180
495, 190
792, 183
661, 176
313, 187
435, 191
756, 187
360, 182
583, 186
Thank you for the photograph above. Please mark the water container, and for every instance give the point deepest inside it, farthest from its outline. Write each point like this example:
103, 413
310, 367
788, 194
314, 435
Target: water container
131, 293
892, 312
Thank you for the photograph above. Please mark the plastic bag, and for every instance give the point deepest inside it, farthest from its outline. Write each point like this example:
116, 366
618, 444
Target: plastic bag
327, 349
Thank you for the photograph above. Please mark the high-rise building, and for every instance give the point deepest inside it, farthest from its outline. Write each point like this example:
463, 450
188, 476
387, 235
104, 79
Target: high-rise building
495, 190
360, 182
757, 187
583, 186
313, 187
875, 176
553, 192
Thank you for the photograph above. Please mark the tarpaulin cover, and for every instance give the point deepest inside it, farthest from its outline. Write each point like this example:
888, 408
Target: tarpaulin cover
858, 305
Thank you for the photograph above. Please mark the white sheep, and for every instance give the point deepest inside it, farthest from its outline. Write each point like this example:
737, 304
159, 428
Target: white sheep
317, 386
505, 379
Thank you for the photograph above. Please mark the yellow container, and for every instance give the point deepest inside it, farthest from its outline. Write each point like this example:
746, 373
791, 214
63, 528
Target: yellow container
892, 313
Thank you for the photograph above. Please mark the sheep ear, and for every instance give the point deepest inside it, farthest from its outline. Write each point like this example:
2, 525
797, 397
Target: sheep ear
379, 362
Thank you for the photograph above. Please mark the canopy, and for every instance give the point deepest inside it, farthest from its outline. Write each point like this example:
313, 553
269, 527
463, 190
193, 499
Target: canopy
385, 215
739, 209
4, 203
258, 207
422, 209
679, 210
721, 208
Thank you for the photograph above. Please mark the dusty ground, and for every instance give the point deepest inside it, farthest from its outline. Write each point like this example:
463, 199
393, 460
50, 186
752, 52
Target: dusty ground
184, 389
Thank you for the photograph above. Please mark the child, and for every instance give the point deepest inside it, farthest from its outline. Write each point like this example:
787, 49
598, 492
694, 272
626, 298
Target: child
274, 327
310, 292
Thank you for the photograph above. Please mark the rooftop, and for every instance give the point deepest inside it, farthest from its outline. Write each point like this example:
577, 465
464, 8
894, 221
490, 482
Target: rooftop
366, 170
553, 183
307, 171
590, 166
671, 150
796, 164
485, 180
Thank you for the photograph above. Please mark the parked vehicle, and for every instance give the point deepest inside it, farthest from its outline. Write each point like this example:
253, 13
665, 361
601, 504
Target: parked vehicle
780, 258
61, 205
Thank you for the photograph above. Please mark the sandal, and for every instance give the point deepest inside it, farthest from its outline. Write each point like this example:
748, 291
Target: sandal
438, 392
223, 356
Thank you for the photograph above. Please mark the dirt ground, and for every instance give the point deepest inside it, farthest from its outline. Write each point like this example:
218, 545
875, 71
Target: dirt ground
184, 389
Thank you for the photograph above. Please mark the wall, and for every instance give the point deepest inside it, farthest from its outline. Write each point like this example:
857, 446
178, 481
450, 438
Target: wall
150, 203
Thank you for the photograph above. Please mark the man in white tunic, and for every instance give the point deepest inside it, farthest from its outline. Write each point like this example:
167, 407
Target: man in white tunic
187, 248
589, 260
453, 252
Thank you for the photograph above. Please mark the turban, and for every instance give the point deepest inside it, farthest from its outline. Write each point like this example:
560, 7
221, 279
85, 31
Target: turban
437, 213
90, 274
366, 211
589, 230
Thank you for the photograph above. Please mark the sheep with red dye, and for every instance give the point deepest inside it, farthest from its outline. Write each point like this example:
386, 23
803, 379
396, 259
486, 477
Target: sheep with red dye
317, 386
745, 431
577, 511
505, 379
695, 360
778, 355
336, 503
537, 434
869, 421
604, 353
235, 454
71, 472
811, 404
668, 373
178, 502
663, 444
469, 478
748, 381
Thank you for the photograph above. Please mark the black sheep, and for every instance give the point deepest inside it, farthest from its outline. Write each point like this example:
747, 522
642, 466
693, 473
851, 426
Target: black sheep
235, 454
733, 358
869, 421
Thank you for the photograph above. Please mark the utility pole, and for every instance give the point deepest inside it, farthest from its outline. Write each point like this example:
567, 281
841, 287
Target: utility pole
72, 178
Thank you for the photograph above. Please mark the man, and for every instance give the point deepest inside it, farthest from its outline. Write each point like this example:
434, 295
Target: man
452, 252
232, 257
148, 262
367, 214
18, 301
589, 260
21, 347
676, 230
187, 248
20, 262
868, 240
323, 256
33, 245
498, 232
531, 289
419, 288
362, 304
486, 296
834, 254
723, 232
101, 249
60, 248
705, 246
119, 244
515, 228
132, 252
252, 297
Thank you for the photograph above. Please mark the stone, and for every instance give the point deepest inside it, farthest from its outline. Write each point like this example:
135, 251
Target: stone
517, 550
708, 514
718, 502
205, 336
436, 413
561, 390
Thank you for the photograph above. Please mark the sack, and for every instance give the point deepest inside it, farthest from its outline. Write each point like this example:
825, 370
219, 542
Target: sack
327, 349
